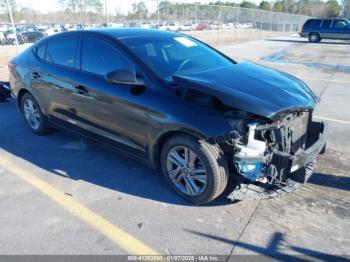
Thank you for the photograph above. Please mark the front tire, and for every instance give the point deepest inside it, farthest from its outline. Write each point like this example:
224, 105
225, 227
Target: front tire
195, 169
33, 115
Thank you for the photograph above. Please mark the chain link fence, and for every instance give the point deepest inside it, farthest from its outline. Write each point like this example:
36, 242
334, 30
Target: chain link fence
213, 24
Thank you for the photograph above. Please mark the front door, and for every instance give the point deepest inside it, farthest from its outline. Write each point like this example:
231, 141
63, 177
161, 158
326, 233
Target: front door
109, 110
341, 29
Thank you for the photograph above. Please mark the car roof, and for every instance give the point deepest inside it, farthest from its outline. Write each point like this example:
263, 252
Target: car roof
123, 32
310, 19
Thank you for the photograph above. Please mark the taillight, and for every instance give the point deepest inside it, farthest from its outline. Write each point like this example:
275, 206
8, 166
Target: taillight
11, 66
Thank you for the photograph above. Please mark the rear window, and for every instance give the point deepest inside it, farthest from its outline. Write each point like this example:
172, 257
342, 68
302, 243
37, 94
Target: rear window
312, 23
62, 51
326, 23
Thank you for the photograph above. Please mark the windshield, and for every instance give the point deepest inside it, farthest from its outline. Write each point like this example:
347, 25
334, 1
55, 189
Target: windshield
175, 55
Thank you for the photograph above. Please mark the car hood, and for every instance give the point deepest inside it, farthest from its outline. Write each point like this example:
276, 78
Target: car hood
252, 88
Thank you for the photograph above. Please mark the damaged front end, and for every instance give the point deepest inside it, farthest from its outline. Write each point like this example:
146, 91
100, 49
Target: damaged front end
272, 158
273, 143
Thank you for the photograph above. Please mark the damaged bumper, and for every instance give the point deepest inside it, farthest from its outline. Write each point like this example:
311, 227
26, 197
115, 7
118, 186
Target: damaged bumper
298, 168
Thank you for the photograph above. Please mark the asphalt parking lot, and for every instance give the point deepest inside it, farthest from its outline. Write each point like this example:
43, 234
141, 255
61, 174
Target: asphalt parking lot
60, 194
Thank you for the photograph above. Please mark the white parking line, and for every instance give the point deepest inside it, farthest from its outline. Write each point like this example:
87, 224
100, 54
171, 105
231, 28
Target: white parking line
333, 120
325, 80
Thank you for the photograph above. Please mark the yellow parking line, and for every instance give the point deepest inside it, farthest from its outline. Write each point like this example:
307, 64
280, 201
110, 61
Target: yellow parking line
121, 238
333, 120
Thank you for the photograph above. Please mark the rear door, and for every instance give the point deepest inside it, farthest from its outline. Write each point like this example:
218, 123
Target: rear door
53, 75
62, 63
341, 29
326, 29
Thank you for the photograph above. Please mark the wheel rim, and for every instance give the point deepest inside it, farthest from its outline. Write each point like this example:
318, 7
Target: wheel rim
314, 37
186, 171
31, 113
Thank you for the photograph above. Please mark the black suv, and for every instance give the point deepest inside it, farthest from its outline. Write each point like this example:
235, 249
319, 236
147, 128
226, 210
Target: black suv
317, 29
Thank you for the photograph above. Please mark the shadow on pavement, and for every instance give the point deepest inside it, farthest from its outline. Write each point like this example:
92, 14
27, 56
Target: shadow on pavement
75, 158
328, 180
274, 249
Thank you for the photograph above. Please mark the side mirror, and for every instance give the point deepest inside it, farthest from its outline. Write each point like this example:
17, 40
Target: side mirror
124, 77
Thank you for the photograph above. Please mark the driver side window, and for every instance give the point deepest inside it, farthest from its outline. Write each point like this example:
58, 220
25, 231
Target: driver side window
340, 24
100, 58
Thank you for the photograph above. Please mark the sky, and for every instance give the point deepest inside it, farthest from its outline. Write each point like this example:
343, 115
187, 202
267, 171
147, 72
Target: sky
123, 6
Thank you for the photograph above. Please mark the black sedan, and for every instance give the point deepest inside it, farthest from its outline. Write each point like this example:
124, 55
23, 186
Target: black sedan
176, 104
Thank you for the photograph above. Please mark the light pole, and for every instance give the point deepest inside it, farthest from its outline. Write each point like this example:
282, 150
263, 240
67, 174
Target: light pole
107, 20
157, 14
13, 24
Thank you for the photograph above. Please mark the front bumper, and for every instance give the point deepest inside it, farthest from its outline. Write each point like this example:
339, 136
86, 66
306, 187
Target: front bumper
299, 167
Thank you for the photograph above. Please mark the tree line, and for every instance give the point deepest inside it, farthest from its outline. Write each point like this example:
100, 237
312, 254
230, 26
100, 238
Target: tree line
92, 11
314, 8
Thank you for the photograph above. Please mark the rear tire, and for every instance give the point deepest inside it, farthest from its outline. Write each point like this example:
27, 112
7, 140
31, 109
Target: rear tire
208, 169
314, 38
33, 115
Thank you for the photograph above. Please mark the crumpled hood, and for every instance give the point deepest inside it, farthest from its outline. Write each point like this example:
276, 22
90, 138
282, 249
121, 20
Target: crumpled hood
252, 88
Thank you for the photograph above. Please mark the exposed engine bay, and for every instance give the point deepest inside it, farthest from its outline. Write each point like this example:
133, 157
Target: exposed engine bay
261, 153
261, 150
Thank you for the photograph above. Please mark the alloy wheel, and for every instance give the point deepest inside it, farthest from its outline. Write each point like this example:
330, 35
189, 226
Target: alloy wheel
31, 113
186, 170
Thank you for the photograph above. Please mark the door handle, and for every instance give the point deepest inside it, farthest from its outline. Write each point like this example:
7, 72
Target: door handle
35, 74
81, 89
